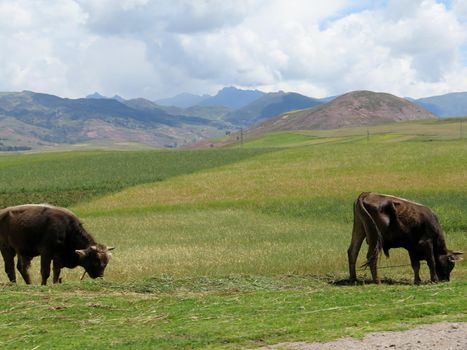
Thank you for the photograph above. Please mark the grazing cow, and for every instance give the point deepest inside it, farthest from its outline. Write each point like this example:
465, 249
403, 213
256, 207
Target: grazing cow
391, 222
55, 234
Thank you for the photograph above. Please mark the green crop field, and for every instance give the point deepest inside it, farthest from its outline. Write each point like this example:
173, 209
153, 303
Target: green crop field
238, 247
65, 178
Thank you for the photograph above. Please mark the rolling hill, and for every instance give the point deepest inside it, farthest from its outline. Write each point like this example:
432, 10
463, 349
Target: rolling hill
352, 109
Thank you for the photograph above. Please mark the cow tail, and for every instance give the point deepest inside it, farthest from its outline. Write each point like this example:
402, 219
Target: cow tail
373, 234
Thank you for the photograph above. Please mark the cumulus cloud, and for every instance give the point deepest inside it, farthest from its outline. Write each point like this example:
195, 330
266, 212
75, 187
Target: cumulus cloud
159, 48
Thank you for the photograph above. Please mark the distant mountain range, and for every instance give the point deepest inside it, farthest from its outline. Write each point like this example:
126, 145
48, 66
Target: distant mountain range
449, 105
233, 98
183, 100
98, 96
34, 120
270, 105
229, 97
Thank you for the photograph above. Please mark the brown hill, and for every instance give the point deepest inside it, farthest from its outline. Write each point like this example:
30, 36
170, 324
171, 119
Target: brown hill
355, 108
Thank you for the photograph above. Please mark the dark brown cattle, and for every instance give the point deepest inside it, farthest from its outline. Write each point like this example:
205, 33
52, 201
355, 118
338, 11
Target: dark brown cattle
55, 234
391, 222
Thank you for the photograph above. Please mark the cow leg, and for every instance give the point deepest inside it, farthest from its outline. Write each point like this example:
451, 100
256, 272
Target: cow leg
416, 267
431, 266
23, 265
358, 235
372, 262
45, 268
9, 260
56, 271
430, 259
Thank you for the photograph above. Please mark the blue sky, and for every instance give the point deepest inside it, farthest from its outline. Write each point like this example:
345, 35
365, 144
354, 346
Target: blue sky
159, 48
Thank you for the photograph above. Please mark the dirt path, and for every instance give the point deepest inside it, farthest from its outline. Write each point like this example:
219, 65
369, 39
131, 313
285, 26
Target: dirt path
446, 336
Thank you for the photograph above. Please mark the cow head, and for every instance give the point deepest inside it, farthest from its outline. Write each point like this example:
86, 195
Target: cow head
94, 259
445, 264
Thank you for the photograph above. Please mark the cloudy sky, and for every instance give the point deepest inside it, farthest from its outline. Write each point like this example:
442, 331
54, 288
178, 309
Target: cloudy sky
156, 49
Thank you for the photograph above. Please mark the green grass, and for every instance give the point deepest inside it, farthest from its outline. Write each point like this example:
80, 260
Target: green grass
427, 130
236, 248
100, 316
66, 178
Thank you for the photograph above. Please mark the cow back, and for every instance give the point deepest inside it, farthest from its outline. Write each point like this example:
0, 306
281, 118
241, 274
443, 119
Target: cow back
37, 229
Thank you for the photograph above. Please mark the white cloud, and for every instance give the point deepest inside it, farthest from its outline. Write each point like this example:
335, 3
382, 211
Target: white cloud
113, 66
176, 16
460, 8
159, 48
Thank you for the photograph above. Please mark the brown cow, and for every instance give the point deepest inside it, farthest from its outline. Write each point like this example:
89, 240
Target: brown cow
55, 234
391, 222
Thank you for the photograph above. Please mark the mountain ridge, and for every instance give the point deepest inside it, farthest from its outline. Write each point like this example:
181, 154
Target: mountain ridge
183, 100
453, 104
232, 98
30, 119
270, 105
53, 119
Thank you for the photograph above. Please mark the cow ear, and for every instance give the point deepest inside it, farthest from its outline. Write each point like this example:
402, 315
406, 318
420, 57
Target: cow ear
81, 252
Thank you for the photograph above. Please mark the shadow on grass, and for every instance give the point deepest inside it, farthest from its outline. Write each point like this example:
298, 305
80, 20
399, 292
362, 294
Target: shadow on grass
167, 284
362, 282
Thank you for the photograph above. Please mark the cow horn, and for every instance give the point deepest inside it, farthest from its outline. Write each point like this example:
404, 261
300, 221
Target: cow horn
455, 256
80, 252
110, 248
93, 247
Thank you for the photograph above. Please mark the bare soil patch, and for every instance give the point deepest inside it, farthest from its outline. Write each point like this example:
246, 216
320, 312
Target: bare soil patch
447, 336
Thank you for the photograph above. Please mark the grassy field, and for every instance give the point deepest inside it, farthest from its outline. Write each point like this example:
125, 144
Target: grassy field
235, 248
427, 130
65, 178
249, 315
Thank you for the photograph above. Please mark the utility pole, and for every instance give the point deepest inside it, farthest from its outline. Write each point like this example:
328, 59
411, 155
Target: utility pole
367, 135
241, 137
